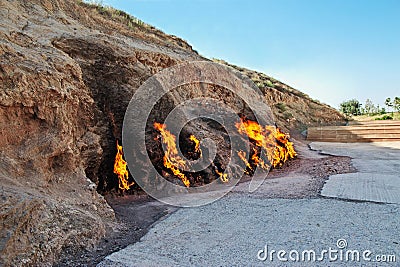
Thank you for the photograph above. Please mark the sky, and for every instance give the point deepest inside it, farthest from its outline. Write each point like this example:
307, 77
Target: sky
332, 50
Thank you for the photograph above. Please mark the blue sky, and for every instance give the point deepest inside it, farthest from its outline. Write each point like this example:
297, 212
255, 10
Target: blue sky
332, 50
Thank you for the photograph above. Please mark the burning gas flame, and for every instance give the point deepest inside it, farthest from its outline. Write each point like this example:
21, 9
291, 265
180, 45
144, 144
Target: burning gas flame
172, 160
121, 171
272, 140
284, 149
222, 176
242, 156
196, 142
257, 160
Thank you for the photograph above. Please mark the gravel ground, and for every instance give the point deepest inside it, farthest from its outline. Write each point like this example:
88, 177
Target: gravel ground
135, 215
285, 213
231, 231
377, 178
303, 177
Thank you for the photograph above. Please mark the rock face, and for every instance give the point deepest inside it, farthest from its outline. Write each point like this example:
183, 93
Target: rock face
67, 72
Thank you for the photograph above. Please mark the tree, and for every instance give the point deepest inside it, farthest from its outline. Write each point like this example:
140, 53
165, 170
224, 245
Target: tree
351, 107
369, 107
388, 103
396, 103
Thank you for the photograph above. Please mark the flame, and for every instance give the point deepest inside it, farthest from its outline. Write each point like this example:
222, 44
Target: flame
257, 160
222, 176
268, 139
284, 149
272, 140
242, 156
121, 171
196, 142
172, 160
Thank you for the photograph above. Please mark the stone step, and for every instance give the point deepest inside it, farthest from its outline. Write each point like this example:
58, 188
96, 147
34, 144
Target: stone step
387, 122
352, 132
357, 127
345, 133
374, 131
361, 140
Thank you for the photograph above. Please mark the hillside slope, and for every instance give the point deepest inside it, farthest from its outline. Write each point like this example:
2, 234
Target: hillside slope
293, 110
67, 73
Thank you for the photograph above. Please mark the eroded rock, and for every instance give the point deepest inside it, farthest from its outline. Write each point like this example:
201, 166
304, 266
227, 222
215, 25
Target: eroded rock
67, 73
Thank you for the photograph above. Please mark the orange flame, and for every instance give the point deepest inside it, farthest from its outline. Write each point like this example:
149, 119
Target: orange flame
222, 176
196, 142
284, 149
172, 160
242, 156
257, 160
272, 140
269, 139
121, 171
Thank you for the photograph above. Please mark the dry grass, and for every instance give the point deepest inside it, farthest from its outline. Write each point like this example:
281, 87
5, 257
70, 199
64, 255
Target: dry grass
115, 14
126, 24
396, 116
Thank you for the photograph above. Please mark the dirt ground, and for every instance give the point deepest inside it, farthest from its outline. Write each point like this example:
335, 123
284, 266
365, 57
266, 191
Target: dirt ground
137, 213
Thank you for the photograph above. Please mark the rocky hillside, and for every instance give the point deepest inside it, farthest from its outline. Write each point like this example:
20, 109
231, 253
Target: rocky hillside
293, 110
67, 73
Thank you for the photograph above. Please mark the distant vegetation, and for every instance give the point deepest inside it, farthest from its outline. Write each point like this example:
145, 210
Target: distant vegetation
134, 25
353, 107
111, 12
384, 117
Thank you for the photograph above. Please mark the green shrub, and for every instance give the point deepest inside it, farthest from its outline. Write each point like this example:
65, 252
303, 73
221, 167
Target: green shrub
281, 106
269, 84
385, 117
350, 107
111, 12
287, 115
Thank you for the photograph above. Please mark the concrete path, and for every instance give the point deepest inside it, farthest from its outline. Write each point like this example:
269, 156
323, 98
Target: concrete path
378, 176
238, 229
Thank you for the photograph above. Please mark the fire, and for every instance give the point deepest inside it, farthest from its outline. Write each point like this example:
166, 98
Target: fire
242, 156
257, 160
196, 142
272, 140
284, 149
121, 171
222, 176
172, 160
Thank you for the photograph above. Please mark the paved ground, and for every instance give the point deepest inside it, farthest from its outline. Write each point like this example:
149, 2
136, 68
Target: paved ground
378, 176
233, 230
